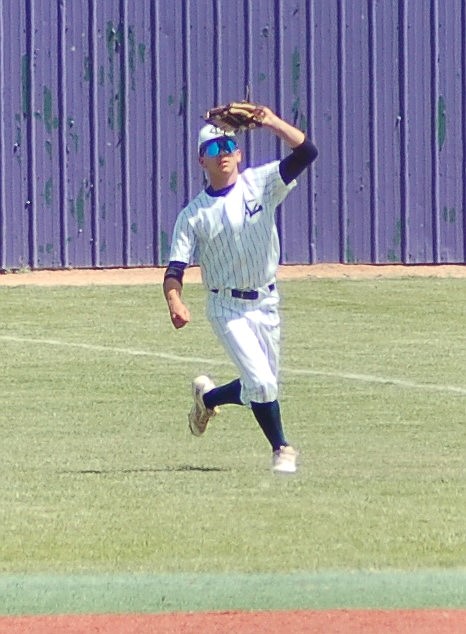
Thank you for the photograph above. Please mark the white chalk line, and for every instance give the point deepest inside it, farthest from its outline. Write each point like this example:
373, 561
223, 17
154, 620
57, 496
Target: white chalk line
349, 376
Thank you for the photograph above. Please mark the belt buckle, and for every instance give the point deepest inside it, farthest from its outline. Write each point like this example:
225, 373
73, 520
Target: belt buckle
239, 294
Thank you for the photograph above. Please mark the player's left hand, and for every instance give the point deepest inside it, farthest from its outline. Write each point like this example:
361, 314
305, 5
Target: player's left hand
236, 116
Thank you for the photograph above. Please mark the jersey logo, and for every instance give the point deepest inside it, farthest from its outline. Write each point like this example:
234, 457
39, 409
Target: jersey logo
252, 207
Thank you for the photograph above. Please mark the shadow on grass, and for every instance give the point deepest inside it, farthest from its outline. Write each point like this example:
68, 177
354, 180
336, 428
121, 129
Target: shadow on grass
166, 469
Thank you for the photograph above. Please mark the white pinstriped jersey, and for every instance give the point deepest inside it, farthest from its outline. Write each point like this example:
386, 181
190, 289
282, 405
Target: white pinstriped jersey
235, 236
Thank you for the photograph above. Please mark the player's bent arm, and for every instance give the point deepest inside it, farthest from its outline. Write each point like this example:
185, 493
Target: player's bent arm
172, 289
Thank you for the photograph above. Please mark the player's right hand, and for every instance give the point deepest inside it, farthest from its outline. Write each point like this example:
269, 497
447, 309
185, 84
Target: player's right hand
179, 315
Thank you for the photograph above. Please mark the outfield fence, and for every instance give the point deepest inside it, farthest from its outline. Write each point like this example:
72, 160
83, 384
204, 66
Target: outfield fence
101, 102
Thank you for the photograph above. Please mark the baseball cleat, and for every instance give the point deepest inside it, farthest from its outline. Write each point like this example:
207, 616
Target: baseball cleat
284, 460
199, 415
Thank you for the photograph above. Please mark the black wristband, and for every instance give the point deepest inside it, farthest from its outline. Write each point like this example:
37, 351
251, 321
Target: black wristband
175, 270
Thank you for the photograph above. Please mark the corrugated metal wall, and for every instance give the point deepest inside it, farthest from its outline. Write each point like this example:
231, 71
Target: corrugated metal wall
101, 102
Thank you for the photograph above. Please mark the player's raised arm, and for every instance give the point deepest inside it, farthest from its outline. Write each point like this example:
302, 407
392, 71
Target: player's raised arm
304, 151
248, 116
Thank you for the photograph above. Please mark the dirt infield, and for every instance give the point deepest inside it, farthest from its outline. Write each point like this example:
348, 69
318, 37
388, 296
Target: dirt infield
298, 622
83, 277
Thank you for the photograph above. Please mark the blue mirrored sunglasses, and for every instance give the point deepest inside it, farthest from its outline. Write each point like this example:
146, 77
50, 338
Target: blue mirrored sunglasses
213, 148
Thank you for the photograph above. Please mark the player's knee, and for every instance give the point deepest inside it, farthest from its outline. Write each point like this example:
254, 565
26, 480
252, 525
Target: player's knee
263, 391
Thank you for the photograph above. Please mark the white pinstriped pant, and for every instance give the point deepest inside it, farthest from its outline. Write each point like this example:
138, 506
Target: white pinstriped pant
249, 330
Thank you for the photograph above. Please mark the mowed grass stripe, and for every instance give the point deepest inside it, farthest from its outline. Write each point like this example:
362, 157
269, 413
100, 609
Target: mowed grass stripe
350, 376
187, 592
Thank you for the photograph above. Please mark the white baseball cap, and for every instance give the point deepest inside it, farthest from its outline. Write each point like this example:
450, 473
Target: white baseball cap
209, 132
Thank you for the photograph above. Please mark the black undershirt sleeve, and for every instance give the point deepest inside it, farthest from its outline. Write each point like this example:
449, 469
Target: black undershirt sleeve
296, 162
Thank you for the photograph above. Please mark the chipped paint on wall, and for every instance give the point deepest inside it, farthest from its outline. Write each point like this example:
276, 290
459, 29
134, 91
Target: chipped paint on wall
441, 122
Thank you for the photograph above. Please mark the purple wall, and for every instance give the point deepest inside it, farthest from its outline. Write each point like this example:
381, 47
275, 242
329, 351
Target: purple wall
101, 102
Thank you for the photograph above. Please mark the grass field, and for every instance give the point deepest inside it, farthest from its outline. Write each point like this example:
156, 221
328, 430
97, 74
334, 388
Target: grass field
99, 473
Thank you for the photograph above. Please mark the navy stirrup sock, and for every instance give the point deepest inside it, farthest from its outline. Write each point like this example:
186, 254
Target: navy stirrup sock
269, 418
267, 414
224, 395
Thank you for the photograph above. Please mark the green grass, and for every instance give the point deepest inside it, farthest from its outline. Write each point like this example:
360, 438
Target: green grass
99, 473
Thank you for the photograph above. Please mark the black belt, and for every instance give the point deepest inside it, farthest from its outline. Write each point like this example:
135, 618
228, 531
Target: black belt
235, 292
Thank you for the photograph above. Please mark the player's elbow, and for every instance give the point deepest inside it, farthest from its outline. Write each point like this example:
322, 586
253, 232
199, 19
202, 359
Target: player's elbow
307, 152
313, 154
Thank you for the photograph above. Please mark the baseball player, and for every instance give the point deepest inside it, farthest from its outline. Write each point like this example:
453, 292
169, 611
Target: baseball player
231, 225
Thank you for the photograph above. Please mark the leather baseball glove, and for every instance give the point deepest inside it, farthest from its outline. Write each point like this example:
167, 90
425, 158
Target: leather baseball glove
236, 116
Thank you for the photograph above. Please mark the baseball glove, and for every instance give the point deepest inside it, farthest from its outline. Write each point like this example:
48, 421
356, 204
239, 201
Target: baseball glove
236, 116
